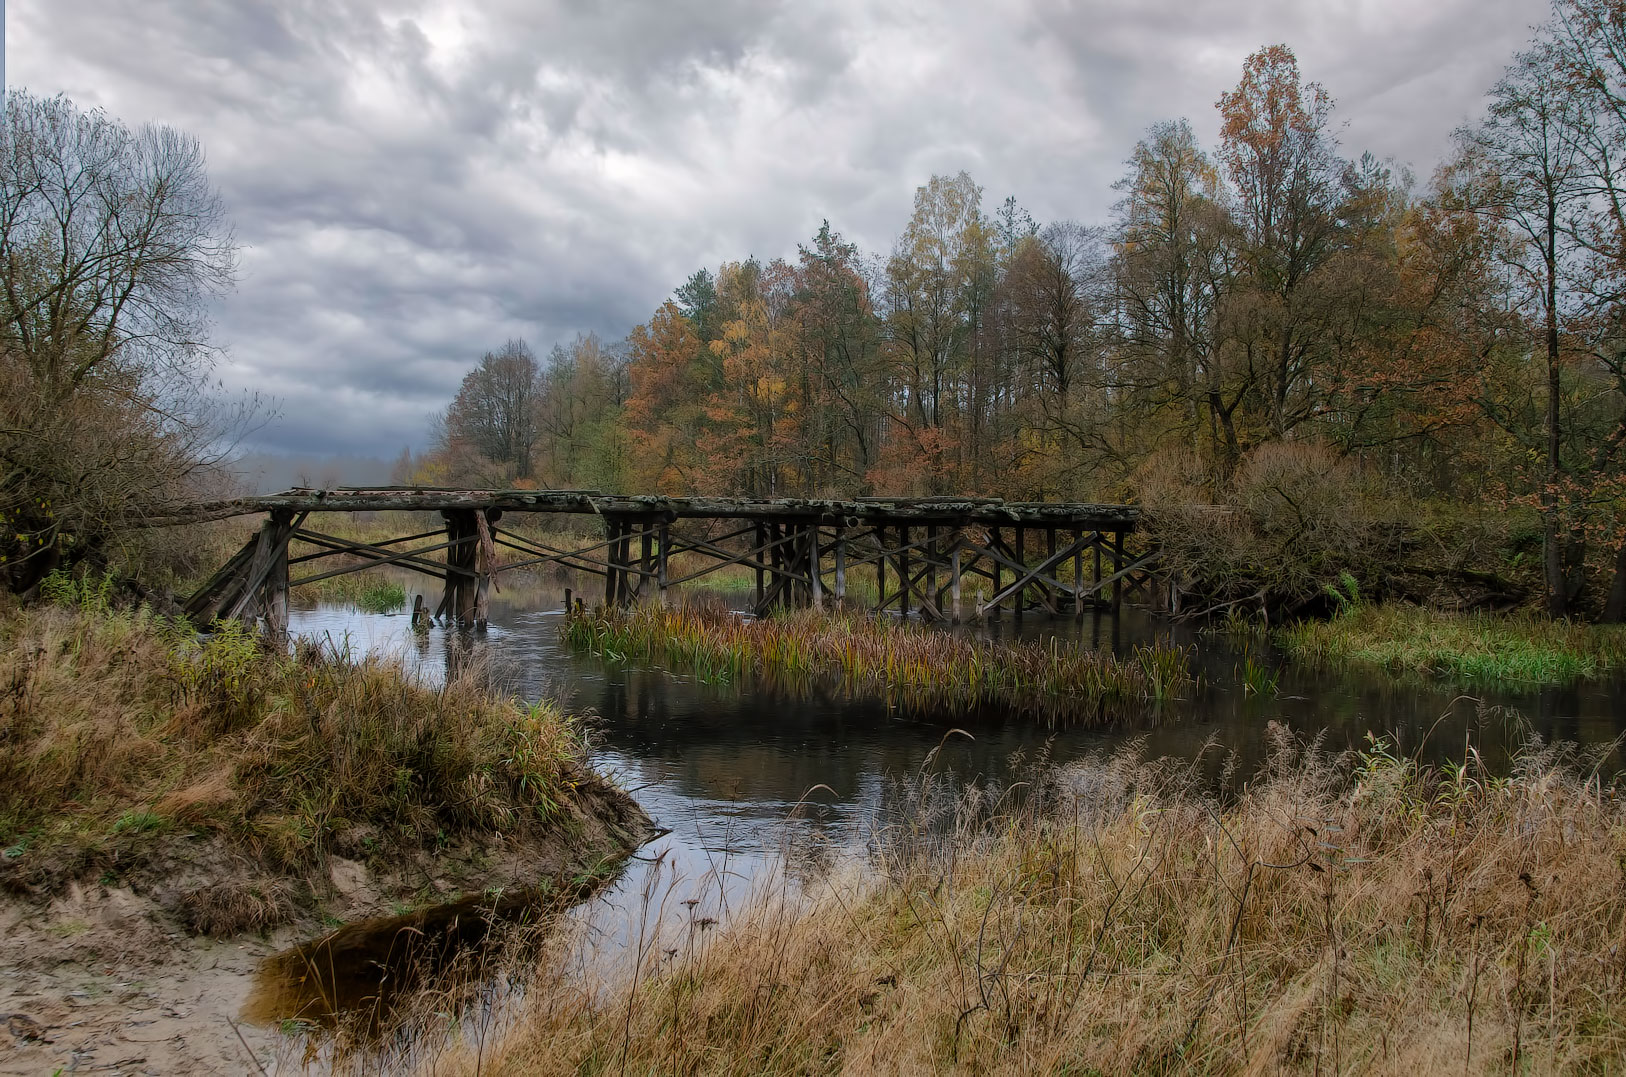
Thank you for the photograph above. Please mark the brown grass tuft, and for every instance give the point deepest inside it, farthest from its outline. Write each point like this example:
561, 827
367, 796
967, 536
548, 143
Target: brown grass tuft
119, 731
1358, 915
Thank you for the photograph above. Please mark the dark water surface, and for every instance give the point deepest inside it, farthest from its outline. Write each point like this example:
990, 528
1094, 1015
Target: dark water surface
745, 779
723, 766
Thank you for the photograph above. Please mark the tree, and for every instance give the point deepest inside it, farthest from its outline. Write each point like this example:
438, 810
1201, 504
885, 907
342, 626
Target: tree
1521, 169
840, 340
490, 427
1279, 156
112, 242
1056, 289
581, 441
1172, 269
936, 283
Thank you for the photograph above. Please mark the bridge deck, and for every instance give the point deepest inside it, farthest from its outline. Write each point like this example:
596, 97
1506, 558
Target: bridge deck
922, 549
875, 510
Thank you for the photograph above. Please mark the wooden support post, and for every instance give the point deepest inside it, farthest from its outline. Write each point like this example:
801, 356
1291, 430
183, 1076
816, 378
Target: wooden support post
841, 564
1096, 588
994, 542
929, 578
903, 570
1078, 577
814, 579
776, 557
1050, 597
459, 599
465, 552
485, 556
1117, 567
954, 578
624, 563
661, 563
646, 556
612, 533
761, 541
1021, 541
880, 569
274, 598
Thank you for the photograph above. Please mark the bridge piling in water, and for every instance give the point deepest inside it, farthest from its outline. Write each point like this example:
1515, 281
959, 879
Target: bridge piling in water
651, 545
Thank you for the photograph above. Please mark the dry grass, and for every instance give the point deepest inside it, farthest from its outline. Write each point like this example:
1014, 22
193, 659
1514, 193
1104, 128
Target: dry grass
1359, 916
117, 729
912, 667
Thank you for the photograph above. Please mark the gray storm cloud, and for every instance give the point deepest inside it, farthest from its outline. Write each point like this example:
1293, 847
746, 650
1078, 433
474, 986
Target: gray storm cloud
414, 183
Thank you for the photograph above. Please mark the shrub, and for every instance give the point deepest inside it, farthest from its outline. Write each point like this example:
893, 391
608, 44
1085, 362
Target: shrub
1295, 525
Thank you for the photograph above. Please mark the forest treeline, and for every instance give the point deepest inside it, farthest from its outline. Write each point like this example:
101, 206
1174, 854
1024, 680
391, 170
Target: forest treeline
1266, 306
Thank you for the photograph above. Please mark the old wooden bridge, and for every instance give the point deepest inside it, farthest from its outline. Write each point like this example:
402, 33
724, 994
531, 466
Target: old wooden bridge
927, 554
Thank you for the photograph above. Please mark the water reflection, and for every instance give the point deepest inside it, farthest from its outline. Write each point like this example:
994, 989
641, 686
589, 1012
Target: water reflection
687, 746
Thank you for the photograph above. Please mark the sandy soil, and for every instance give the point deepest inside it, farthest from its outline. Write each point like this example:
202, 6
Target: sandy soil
104, 982
107, 978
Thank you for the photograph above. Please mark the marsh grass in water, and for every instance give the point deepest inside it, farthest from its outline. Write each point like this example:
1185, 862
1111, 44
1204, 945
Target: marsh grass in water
1358, 913
1473, 648
911, 667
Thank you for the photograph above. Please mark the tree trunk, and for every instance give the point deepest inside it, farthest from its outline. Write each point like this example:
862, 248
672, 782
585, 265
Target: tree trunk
1614, 610
1551, 540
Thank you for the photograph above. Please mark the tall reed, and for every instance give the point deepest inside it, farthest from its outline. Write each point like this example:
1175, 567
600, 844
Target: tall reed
912, 667
1355, 915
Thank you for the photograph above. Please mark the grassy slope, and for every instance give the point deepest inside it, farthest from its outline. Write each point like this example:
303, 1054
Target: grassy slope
1333, 920
122, 735
1467, 647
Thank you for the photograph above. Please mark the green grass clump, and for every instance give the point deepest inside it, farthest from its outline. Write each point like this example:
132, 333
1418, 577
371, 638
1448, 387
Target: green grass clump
911, 667
1475, 648
381, 596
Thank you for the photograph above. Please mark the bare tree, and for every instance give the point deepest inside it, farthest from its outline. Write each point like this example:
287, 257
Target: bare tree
111, 243
494, 416
1521, 169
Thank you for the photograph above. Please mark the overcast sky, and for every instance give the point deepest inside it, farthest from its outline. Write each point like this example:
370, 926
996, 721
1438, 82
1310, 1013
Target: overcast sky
415, 182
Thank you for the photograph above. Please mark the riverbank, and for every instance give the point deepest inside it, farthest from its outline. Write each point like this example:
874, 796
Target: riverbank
912, 667
1355, 915
1467, 647
159, 790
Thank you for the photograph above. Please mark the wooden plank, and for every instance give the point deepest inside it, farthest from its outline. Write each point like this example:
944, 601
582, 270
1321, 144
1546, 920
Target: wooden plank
380, 555
891, 511
1048, 563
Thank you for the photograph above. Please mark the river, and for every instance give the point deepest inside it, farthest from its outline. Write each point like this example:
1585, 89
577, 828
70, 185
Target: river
744, 779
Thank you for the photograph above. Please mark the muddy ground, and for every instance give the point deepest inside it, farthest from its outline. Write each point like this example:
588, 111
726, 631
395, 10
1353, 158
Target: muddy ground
116, 977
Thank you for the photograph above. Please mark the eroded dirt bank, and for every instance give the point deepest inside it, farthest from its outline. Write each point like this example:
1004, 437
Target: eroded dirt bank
122, 976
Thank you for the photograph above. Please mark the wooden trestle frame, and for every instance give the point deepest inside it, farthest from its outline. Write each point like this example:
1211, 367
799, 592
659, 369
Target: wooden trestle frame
924, 552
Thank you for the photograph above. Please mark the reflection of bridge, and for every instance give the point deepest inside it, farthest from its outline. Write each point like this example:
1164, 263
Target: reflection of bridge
801, 551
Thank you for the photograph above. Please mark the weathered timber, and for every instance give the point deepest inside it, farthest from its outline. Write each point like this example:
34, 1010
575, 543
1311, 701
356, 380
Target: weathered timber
825, 512
928, 545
